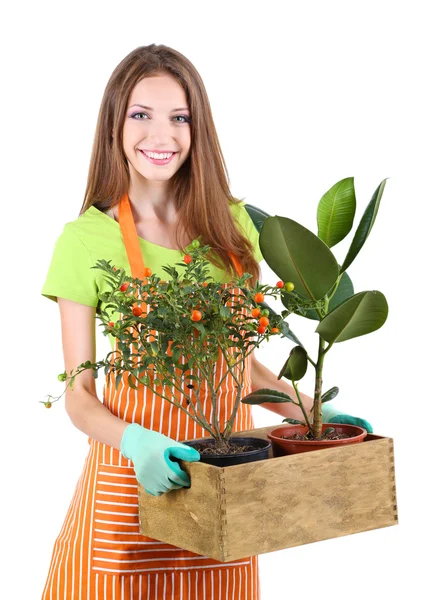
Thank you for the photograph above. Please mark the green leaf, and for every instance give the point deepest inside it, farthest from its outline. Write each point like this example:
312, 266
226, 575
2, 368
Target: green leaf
225, 312
118, 379
131, 382
293, 421
176, 353
365, 226
201, 329
296, 254
257, 215
330, 394
266, 395
335, 213
361, 314
296, 365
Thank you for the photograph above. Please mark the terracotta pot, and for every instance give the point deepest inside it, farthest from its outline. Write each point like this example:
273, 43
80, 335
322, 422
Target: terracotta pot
226, 460
282, 447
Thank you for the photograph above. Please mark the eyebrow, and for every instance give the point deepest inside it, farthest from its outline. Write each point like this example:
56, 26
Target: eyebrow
150, 108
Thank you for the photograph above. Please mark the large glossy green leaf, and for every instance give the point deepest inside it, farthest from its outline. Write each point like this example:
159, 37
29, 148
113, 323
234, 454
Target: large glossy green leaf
295, 366
296, 254
361, 314
335, 213
365, 226
257, 215
266, 395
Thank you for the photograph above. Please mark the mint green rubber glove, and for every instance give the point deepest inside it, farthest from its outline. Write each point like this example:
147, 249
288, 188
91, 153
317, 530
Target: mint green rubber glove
331, 414
150, 452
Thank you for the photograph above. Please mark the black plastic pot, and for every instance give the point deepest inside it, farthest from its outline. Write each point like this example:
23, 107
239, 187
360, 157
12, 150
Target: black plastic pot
226, 460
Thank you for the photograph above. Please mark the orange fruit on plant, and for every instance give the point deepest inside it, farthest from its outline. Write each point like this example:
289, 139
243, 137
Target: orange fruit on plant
124, 287
259, 297
196, 315
280, 284
262, 329
137, 311
187, 258
264, 321
147, 272
274, 330
256, 312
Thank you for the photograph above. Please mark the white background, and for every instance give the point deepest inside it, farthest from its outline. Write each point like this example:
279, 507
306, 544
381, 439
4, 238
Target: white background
303, 94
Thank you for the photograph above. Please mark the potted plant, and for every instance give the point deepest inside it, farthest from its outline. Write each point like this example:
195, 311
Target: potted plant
189, 321
297, 255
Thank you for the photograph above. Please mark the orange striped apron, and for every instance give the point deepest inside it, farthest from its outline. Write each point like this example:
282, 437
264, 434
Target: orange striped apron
99, 552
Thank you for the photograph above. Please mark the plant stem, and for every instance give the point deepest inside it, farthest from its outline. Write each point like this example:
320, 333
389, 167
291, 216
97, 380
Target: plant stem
300, 403
332, 293
317, 418
312, 362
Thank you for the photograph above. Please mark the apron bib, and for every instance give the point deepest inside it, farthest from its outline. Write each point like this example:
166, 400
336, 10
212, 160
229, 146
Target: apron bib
99, 549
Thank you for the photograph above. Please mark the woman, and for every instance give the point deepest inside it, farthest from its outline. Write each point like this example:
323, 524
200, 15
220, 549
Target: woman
157, 180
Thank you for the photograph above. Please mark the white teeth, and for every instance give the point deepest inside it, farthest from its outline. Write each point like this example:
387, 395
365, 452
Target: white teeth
160, 156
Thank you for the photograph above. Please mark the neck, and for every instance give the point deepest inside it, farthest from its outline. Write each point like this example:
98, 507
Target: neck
151, 201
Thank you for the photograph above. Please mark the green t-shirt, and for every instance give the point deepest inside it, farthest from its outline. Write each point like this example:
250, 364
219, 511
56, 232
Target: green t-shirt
94, 235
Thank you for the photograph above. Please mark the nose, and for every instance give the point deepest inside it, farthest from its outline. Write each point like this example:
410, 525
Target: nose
159, 129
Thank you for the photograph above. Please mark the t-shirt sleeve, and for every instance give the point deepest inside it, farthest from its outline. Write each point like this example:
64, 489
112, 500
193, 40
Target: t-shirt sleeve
70, 275
250, 231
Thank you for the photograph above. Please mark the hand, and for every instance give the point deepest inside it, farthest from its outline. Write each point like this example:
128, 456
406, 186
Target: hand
331, 414
150, 452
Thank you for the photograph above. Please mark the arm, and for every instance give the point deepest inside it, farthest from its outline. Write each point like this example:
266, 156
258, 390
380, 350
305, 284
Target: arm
84, 408
264, 378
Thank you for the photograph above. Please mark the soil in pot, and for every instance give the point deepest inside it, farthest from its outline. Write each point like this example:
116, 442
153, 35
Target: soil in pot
236, 451
331, 435
294, 438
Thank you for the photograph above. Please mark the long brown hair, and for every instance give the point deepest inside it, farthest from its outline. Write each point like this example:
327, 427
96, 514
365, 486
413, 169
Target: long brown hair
201, 185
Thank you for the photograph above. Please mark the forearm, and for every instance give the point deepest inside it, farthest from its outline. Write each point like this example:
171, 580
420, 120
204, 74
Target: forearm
90, 416
264, 378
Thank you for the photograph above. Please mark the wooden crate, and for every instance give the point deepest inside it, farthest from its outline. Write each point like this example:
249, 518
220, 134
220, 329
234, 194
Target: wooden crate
234, 512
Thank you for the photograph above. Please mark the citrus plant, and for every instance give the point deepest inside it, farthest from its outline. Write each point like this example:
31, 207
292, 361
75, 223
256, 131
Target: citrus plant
168, 329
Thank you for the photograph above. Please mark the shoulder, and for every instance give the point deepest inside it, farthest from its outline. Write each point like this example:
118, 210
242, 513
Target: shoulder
71, 274
239, 212
247, 226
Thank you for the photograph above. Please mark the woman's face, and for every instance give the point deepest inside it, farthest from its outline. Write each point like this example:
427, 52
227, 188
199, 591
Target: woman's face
161, 124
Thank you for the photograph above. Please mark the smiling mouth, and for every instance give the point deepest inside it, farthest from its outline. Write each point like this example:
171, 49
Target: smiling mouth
158, 161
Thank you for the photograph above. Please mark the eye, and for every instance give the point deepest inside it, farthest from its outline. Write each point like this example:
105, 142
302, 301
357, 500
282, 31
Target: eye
188, 120
136, 114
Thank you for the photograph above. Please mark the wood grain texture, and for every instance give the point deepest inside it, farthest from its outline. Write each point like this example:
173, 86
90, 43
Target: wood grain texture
243, 510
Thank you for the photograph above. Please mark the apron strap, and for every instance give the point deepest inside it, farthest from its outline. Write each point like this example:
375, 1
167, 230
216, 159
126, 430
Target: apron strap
132, 245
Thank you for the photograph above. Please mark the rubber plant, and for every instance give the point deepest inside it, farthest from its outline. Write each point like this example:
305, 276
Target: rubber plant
297, 255
178, 327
